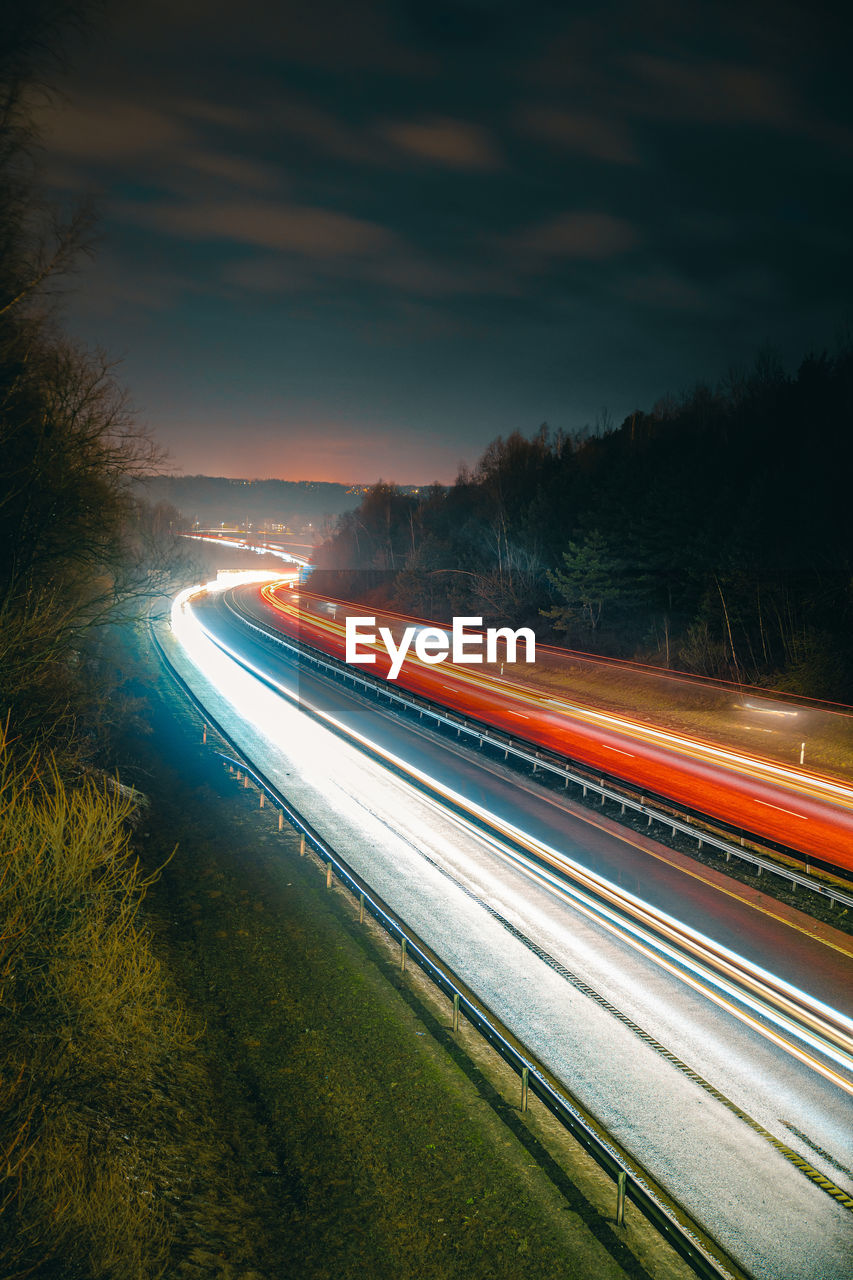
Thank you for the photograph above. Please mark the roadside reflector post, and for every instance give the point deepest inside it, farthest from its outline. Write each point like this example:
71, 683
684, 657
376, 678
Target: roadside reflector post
456, 1011
329, 874
402, 955
524, 1075
302, 844
361, 908
262, 800
280, 819
245, 780
204, 736
621, 1183
802, 752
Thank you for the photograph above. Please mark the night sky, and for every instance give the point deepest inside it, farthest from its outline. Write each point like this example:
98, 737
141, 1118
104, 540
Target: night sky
344, 240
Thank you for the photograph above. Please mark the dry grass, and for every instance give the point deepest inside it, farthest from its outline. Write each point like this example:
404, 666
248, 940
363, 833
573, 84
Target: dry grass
703, 711
86, 1035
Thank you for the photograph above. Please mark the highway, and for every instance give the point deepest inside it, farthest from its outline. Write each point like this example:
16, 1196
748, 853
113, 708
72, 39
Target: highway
534, 945
800, 809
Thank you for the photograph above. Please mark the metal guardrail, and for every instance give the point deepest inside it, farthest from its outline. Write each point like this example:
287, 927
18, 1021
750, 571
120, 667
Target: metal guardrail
632, 1181
482, 734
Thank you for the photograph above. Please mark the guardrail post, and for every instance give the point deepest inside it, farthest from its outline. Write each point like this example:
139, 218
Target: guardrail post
361, 908
621, 1182
280, 819
262, 801
245, 781
204, 734
456, 1011
402, 955
302, 844
524, 1075
329, 874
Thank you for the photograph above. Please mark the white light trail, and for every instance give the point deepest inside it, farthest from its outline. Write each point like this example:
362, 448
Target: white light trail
729, 980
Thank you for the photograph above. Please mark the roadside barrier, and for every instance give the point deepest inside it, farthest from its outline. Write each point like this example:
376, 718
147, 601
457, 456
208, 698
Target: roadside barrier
632, 1182
553, 765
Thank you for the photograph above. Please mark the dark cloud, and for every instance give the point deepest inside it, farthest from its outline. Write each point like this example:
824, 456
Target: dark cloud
454, 143
409, 223
303, 230
582, 133
593, 236
111, 130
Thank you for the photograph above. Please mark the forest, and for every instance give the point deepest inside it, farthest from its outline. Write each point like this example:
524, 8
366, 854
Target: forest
711, 533
93, 1041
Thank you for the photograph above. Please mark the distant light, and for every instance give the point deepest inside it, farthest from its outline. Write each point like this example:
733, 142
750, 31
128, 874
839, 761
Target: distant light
764, 711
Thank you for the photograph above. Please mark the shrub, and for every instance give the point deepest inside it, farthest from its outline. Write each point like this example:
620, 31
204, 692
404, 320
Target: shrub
87, 1034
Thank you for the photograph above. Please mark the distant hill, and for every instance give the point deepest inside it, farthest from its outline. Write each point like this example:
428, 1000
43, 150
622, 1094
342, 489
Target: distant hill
215, 500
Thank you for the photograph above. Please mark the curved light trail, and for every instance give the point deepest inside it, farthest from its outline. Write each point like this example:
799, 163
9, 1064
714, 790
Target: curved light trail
808, 1029
804, 811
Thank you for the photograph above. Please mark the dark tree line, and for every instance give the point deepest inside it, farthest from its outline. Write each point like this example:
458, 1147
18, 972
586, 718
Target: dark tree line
712, 533
93, 1048
77, 547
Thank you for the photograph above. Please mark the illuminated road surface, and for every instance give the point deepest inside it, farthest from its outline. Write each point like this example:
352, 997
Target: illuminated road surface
802, 810
760, 1207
